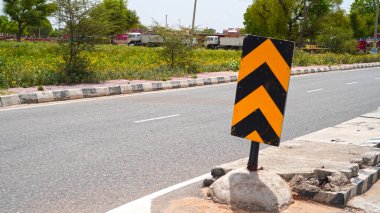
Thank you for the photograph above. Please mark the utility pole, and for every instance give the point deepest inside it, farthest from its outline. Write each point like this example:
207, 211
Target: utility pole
193, 25
376, 25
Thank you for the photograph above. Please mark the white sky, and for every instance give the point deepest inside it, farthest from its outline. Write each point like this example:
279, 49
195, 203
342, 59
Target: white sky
217, 14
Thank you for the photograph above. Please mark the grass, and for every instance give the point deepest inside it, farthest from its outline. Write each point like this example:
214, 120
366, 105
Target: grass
31, 64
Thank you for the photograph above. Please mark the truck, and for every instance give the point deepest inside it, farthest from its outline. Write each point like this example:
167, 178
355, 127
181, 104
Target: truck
139, 39
216, 42
151, 40
365, 45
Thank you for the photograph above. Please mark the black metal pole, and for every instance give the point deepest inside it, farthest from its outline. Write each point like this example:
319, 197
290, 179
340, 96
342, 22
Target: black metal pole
253, 156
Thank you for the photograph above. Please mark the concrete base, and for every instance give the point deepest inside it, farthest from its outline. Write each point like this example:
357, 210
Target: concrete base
356, 131
255, 191
304, 157
314, 158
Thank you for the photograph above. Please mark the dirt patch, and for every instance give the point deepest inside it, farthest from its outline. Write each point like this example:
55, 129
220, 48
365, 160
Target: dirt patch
198, 205
300, 206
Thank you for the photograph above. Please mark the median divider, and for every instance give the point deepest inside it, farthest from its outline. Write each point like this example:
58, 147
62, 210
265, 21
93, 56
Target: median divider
329, 166
79, 93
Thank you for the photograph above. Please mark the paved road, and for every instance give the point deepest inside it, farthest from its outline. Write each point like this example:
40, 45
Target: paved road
92, 156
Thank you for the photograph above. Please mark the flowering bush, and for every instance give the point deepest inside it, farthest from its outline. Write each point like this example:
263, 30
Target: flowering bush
30, 64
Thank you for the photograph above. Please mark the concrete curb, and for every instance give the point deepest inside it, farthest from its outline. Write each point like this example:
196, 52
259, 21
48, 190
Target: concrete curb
71, 94
363, 169
307, 70
361, 184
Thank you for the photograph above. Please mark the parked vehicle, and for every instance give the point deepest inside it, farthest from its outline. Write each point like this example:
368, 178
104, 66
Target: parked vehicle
365, 45
151, 40
216, 42
134, 39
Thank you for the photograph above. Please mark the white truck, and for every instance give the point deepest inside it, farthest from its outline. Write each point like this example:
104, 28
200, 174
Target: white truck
137, 39
215, 42
151, 40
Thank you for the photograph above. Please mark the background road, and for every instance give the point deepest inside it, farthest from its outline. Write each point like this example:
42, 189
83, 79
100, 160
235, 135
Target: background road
92, 156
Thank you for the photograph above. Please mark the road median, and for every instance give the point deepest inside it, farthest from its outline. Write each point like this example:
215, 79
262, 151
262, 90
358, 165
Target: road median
95, 91
323, 173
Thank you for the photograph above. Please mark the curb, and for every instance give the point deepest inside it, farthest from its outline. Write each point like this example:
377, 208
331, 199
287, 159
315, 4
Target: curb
71, 94
361, 184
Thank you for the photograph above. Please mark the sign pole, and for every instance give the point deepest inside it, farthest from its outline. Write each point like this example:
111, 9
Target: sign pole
253, 157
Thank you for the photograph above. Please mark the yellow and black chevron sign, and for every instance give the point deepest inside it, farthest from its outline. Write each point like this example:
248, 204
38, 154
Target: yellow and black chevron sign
262, 89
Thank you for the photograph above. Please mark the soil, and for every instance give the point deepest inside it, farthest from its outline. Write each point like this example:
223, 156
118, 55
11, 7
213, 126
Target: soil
198, 205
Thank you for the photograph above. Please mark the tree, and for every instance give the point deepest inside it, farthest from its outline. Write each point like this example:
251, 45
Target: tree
207, 30
27, 13
287, 18
42, 30
336, 32
81, 32
266, 18
115, 12
362, 15
6, 26
56, 33
175, 52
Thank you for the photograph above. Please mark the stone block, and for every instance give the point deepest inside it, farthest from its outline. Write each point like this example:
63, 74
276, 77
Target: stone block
199, 82
89, 92
102, 91
252, 191
147, 87
45, 97
30, 98
175, 84
126, 89
9, 100
157, 86
115, 90
214, 80
221, 80
74, 94
61, 95
207, 81
184, 83
192, 83
167, 85
137, 88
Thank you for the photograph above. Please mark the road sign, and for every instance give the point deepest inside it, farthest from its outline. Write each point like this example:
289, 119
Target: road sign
262, 89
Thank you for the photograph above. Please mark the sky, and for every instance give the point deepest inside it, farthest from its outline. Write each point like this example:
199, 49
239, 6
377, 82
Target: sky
216, 14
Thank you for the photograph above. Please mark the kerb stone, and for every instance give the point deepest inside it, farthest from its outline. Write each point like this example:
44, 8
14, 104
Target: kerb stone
45, 97
75, 94
9, 100
102, 91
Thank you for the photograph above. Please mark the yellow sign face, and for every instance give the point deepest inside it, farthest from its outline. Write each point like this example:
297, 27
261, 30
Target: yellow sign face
262, 88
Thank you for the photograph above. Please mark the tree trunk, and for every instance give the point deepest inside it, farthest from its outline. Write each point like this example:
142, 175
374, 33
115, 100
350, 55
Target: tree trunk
172, 59
19, 32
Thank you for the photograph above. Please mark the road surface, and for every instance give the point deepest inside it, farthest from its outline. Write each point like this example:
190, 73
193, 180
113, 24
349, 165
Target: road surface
93, 155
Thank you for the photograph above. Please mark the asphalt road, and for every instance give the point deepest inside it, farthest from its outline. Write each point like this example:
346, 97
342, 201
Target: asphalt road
94, 155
